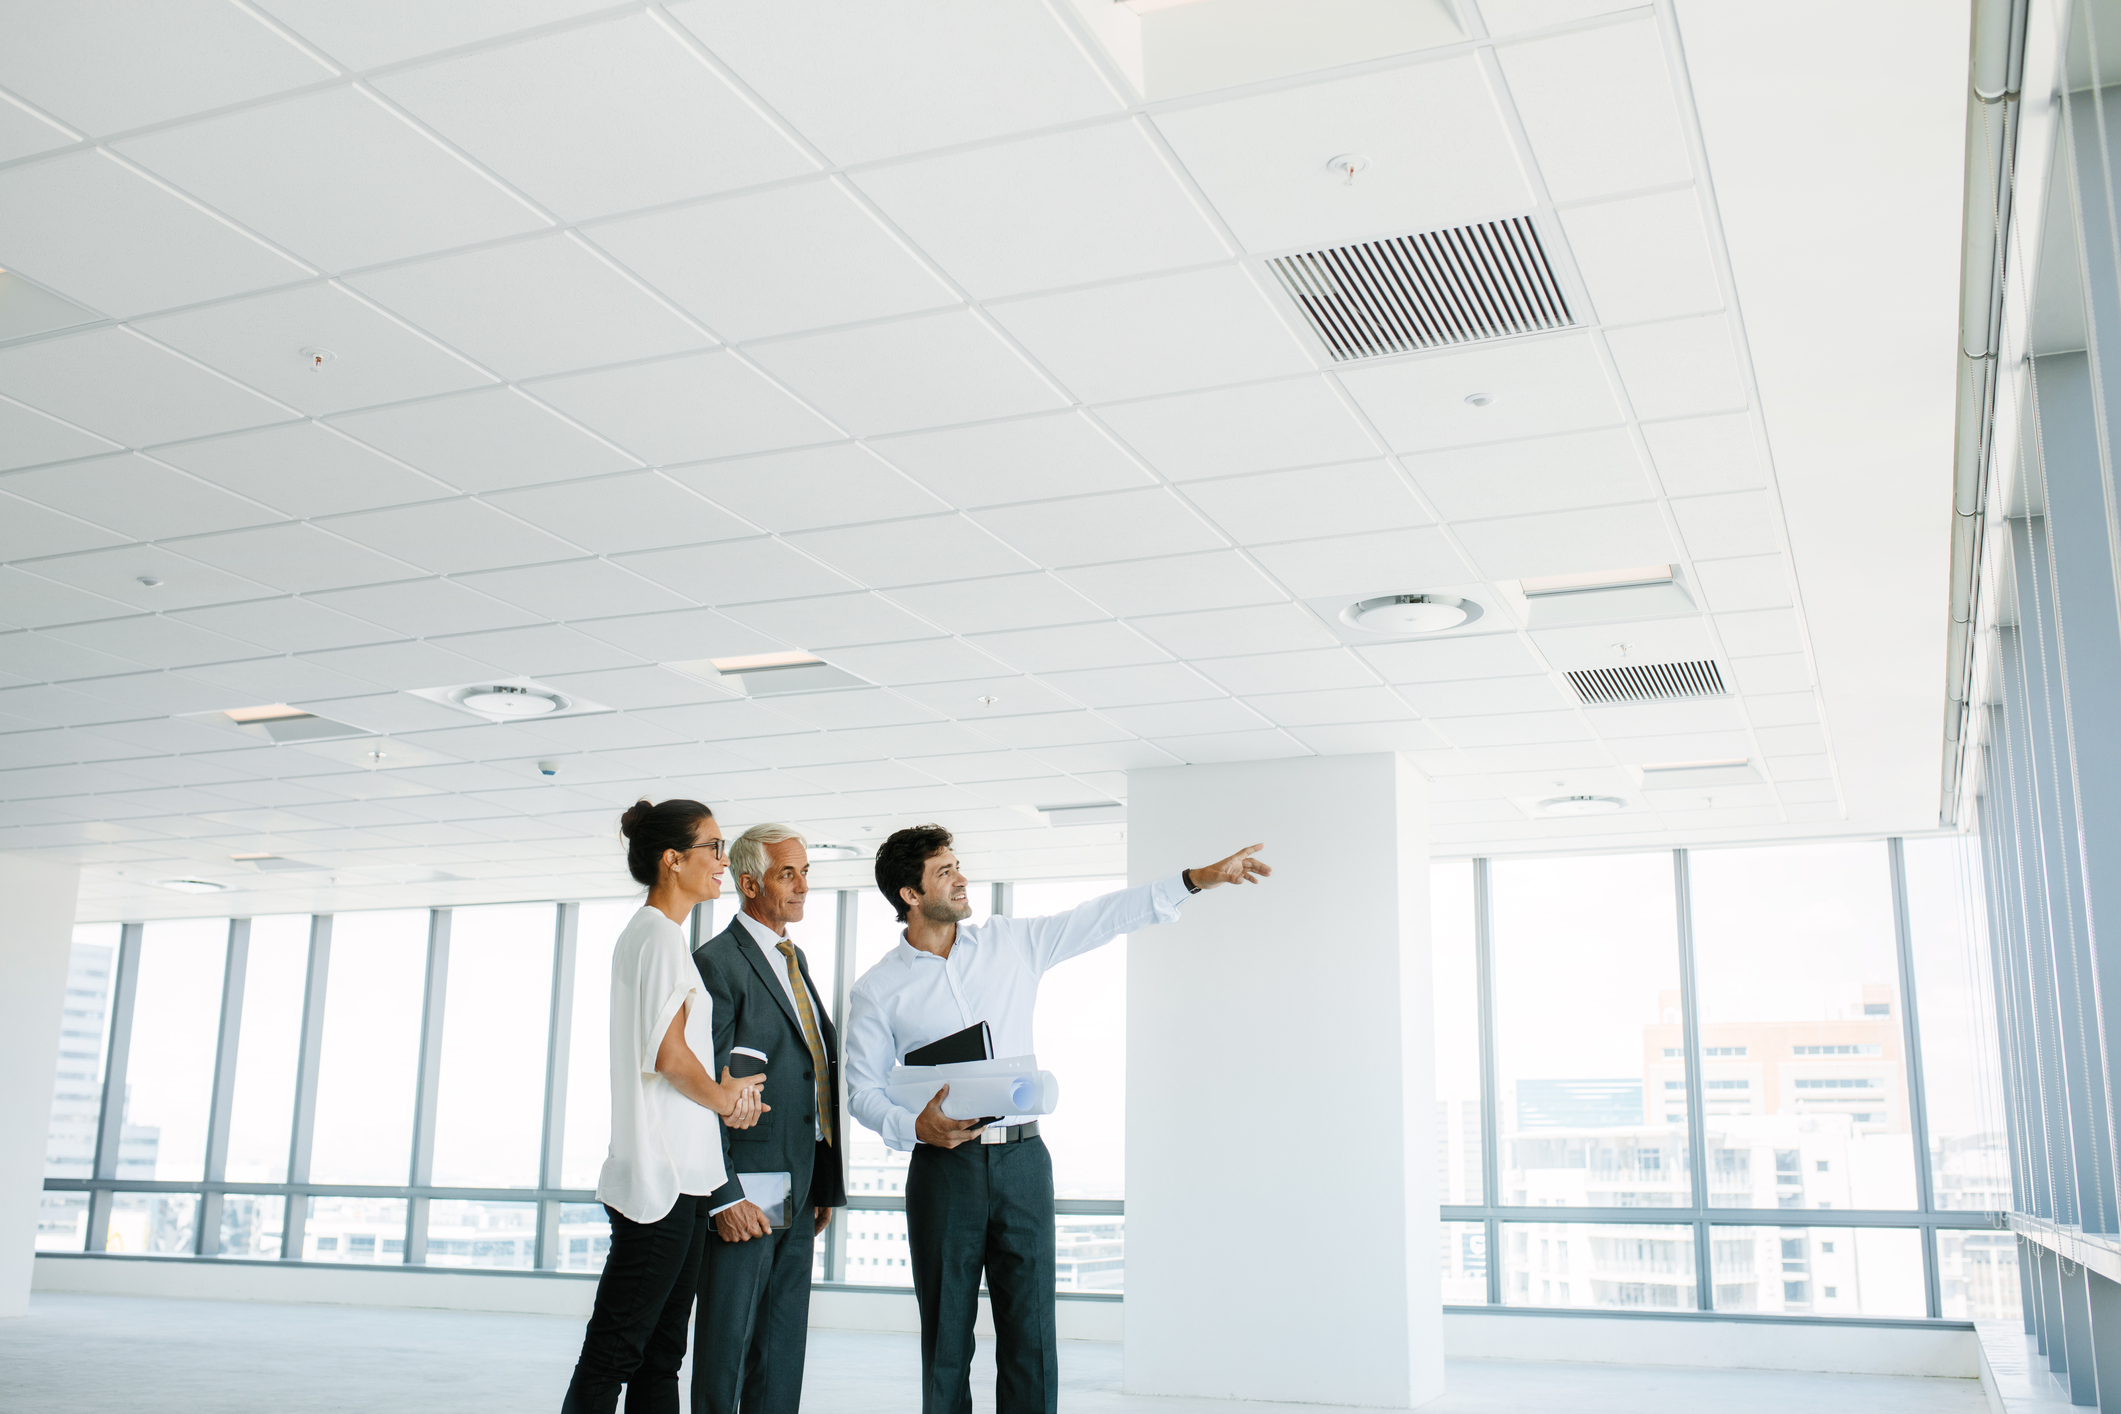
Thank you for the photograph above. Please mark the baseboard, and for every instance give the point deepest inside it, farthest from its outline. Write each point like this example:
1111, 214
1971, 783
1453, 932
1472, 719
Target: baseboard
1945, 1352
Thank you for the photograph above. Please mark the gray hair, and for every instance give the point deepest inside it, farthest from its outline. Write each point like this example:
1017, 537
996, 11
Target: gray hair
748, 854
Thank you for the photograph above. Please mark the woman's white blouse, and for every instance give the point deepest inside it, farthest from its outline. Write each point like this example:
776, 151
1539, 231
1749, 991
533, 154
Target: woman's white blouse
662, 1144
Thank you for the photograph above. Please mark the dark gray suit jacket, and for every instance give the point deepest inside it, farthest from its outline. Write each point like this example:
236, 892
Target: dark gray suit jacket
751, 1009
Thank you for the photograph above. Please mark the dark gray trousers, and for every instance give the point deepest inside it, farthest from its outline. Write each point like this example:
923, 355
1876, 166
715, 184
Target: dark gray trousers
636, 1335
984, 1206
753, 1322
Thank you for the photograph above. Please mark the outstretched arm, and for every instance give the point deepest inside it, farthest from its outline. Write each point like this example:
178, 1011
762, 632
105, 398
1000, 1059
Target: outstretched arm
1239, 868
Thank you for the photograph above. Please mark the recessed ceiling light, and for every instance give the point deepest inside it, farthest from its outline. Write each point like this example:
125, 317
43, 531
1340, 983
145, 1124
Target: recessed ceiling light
1410, 613
1479, 400
247, 857
1596, 579
193, 886
753, 661
151, 581
278, 711
1581, 805
1718, 763
507, 700
834, 851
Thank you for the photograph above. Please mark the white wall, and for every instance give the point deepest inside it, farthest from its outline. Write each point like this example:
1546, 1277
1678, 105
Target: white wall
1281, 1203
36, 932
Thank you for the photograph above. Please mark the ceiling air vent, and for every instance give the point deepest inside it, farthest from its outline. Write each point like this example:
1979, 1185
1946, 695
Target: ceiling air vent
1648, 682
1404, 293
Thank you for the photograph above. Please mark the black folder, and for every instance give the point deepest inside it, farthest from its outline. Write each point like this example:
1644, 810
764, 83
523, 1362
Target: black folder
974, 1043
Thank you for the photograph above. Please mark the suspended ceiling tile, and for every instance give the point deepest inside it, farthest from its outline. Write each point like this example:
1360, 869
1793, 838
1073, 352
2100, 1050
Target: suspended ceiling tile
162, 694
27, 309
1568, 542
1485, 697
60, 655
1697, 455
1756, 634
31, 438
1734, 524
858, 707
976, 700
1331, 706
1059, 209
1779, 673
577, 589
1681, 746
1216, 714
833, 621
627, 688
609, 515
778, 261
1384, 562
1535, 386
811, 487
1599, 109
1010, 601
300, 559
1571, 650
1574, 470
1357, 738
737, 572
386, 31
1310, 669
425, 606
28, 529
1267, 628
1118, 525
403, 666
117, 384
932, 660
116, 573
1667, 719
148, 640
25, 134
686, 409
449, 537
105, 65
1512, 729
484, 441
1782, 709
274, 680
583, 314
1490, 655
335, 178
1644, 258
1233, 746
537, 649
261, 340
384, 711
599, 118
680, 636
1680, 367
1264, 427
1439, 153
56, 706
284, 625
926, 371
303, 469
1145, 684
1754, 582
1301, 505
876, 80
33, 601
1023, 459
1055, 650
1174, 584
905, 551
1164, 334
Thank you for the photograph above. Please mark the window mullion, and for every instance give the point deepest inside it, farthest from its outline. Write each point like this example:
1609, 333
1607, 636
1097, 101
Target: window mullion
559, 1033
206, 1233
428, 1091
1697, 1127
110, 1126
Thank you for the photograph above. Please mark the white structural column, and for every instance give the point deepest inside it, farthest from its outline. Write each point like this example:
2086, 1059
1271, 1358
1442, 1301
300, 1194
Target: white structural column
1281, 1174
36, 932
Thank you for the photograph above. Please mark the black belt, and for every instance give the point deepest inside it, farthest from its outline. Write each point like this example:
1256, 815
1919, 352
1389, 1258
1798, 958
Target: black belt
1003, 1134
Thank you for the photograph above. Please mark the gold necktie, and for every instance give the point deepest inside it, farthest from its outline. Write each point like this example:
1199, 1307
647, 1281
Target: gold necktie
811, 1038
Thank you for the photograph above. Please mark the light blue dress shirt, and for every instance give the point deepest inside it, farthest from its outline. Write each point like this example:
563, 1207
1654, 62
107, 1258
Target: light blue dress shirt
911, 997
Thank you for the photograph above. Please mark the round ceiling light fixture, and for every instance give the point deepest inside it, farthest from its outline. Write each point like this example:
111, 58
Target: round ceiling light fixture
507, 700
834, 851
1479, 400
193, 886
1410, 613
1582, 805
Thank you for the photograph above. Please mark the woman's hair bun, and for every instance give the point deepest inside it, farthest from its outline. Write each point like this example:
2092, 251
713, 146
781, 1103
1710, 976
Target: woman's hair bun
635, 814
651, 830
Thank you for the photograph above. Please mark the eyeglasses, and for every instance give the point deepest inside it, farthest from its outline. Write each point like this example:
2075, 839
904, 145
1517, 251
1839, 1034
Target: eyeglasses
720, 848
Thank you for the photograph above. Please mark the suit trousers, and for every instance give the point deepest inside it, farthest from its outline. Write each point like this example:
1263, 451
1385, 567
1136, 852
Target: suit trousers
636, 1334
754, 1320
984, 1207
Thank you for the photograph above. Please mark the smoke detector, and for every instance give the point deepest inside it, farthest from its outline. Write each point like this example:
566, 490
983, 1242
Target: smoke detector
1410, 613
1581, 805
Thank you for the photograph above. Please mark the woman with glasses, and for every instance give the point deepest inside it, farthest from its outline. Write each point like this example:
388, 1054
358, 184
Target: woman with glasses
666, 1140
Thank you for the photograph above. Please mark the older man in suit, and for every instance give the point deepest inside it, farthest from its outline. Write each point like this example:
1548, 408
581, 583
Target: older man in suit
754, 1307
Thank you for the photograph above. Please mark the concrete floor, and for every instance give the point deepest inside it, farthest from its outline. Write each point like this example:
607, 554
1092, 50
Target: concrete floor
104, 1354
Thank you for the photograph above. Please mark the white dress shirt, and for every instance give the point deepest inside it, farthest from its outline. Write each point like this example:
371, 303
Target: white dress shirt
662, 1144
769, 948
913, 997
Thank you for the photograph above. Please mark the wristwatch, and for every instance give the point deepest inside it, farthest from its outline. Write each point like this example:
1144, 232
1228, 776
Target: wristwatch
1185, 876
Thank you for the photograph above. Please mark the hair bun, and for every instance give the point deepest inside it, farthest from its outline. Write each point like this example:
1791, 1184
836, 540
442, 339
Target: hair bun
635, 814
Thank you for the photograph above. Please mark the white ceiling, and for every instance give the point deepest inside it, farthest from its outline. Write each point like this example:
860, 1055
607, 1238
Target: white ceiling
903, 334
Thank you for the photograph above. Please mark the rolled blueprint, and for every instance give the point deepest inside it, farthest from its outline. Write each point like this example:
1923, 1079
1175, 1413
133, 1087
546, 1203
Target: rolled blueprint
1023, 1092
